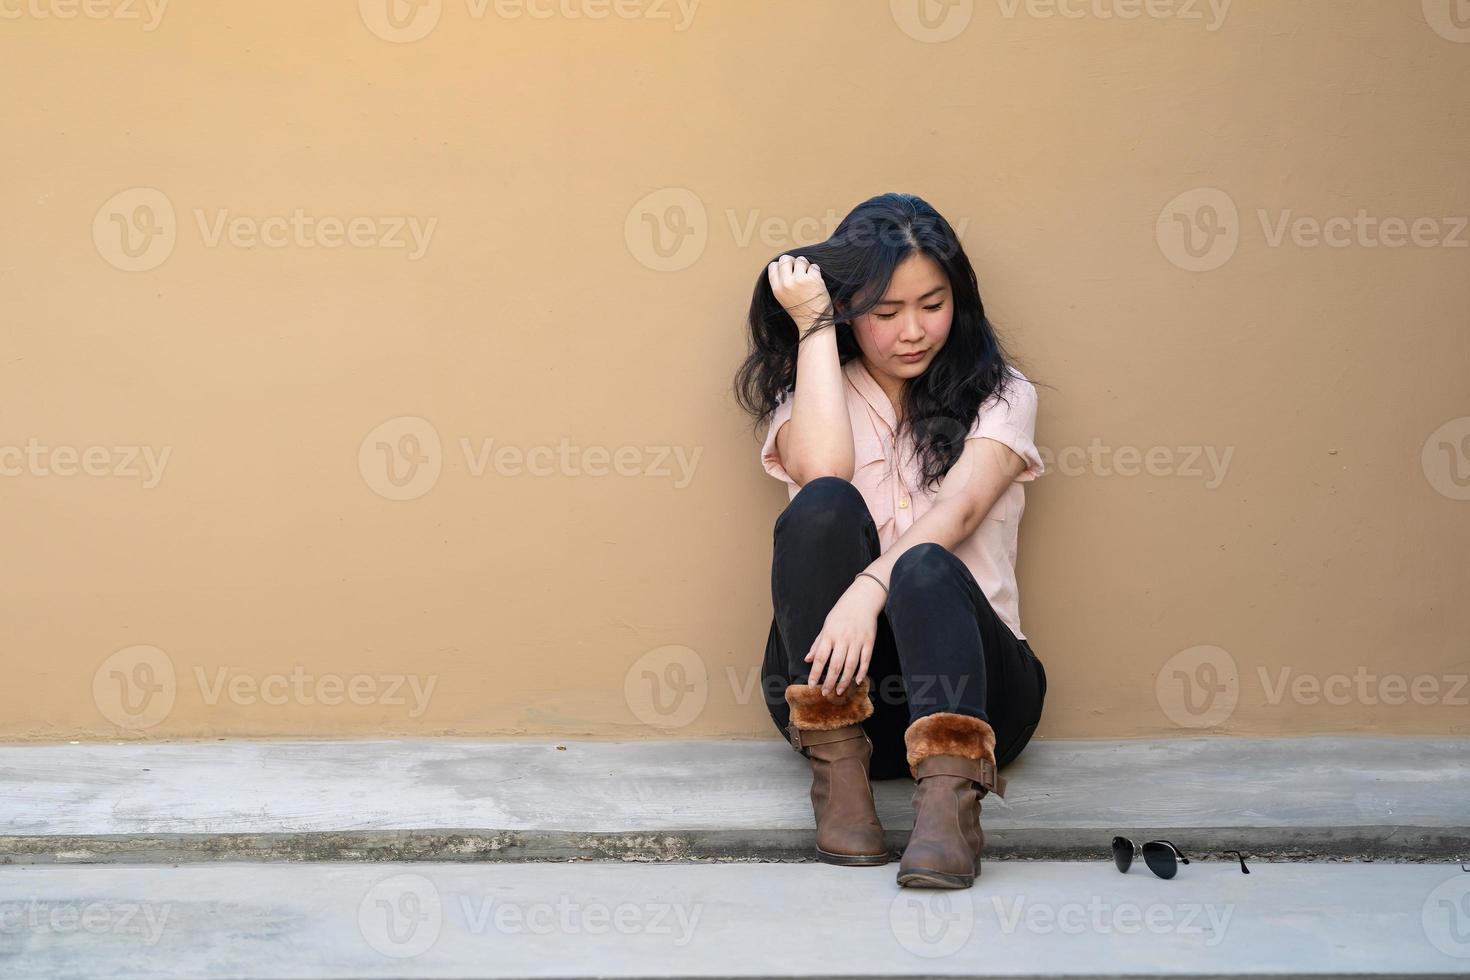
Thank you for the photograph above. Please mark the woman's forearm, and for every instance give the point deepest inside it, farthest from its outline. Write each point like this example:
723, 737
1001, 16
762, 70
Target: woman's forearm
947, 523
817, 441
969, 491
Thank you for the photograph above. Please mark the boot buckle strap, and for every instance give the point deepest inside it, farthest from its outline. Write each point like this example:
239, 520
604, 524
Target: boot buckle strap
804, 737
981, 771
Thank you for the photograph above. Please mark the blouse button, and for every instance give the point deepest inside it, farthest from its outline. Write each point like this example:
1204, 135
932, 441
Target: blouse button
904, 502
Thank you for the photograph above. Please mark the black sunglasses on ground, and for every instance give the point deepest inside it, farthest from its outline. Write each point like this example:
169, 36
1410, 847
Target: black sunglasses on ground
1161, 856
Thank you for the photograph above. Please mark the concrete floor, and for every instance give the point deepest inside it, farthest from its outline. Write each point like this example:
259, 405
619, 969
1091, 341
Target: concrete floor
483, 808
447, 799
1021, 918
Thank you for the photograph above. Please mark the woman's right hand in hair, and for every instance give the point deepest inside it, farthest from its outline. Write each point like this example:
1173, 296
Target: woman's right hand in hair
799, 288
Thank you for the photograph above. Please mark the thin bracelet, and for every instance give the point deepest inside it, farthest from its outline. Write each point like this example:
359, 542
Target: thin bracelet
874, 578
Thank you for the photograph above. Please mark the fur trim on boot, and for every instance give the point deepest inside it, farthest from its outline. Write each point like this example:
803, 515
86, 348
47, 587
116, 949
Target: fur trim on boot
814, 711
948, 733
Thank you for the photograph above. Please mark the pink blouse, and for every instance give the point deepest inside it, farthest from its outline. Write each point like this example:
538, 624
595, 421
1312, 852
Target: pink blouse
895, 496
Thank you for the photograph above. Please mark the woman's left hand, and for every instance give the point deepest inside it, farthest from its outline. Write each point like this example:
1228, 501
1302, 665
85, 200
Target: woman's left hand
845, 646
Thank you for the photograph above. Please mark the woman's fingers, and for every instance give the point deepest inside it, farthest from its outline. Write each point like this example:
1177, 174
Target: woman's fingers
818, 656
854, 657
844, 662
787, 267
838, 664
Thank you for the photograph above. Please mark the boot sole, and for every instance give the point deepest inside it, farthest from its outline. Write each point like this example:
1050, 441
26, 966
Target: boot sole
853, 860
929, 878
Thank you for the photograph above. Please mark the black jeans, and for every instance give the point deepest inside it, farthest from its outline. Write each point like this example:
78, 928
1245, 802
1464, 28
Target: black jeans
940, 646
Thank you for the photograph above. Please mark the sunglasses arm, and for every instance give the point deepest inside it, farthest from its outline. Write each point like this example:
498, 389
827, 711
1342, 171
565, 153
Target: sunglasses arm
1243, 869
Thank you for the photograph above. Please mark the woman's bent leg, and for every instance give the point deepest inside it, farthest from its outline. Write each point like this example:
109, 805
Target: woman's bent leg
974, 695
957, 654
823, 538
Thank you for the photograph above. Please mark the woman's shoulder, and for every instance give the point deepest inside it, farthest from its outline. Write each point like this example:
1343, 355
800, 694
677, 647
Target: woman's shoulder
1009, 416
1017, 377
1013, 386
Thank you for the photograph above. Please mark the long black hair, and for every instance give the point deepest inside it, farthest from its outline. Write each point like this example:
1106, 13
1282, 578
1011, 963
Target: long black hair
857, 264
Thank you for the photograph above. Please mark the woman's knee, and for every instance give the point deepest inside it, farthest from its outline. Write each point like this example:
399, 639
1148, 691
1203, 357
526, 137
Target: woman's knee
919, 568
825, 504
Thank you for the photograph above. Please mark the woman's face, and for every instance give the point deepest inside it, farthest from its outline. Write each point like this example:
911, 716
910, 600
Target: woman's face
912, 318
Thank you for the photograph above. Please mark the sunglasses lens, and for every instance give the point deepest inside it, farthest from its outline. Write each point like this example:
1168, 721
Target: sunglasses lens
1160, 859
1122, 853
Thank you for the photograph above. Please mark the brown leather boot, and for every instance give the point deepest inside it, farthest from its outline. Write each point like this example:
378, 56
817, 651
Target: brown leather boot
952, 759
827, 731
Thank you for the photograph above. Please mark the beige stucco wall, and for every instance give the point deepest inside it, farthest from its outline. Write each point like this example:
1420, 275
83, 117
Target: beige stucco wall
1303, 520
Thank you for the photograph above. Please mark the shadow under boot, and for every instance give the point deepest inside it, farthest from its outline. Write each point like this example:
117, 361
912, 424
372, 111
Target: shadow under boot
952, 759
827, 731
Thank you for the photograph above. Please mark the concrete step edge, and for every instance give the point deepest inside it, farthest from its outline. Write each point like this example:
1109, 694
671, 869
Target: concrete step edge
1372, 843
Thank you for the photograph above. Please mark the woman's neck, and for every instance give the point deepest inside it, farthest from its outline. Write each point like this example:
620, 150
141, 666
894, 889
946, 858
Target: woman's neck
892, 387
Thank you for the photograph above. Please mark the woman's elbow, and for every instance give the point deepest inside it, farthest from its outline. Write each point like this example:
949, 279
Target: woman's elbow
803, 475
